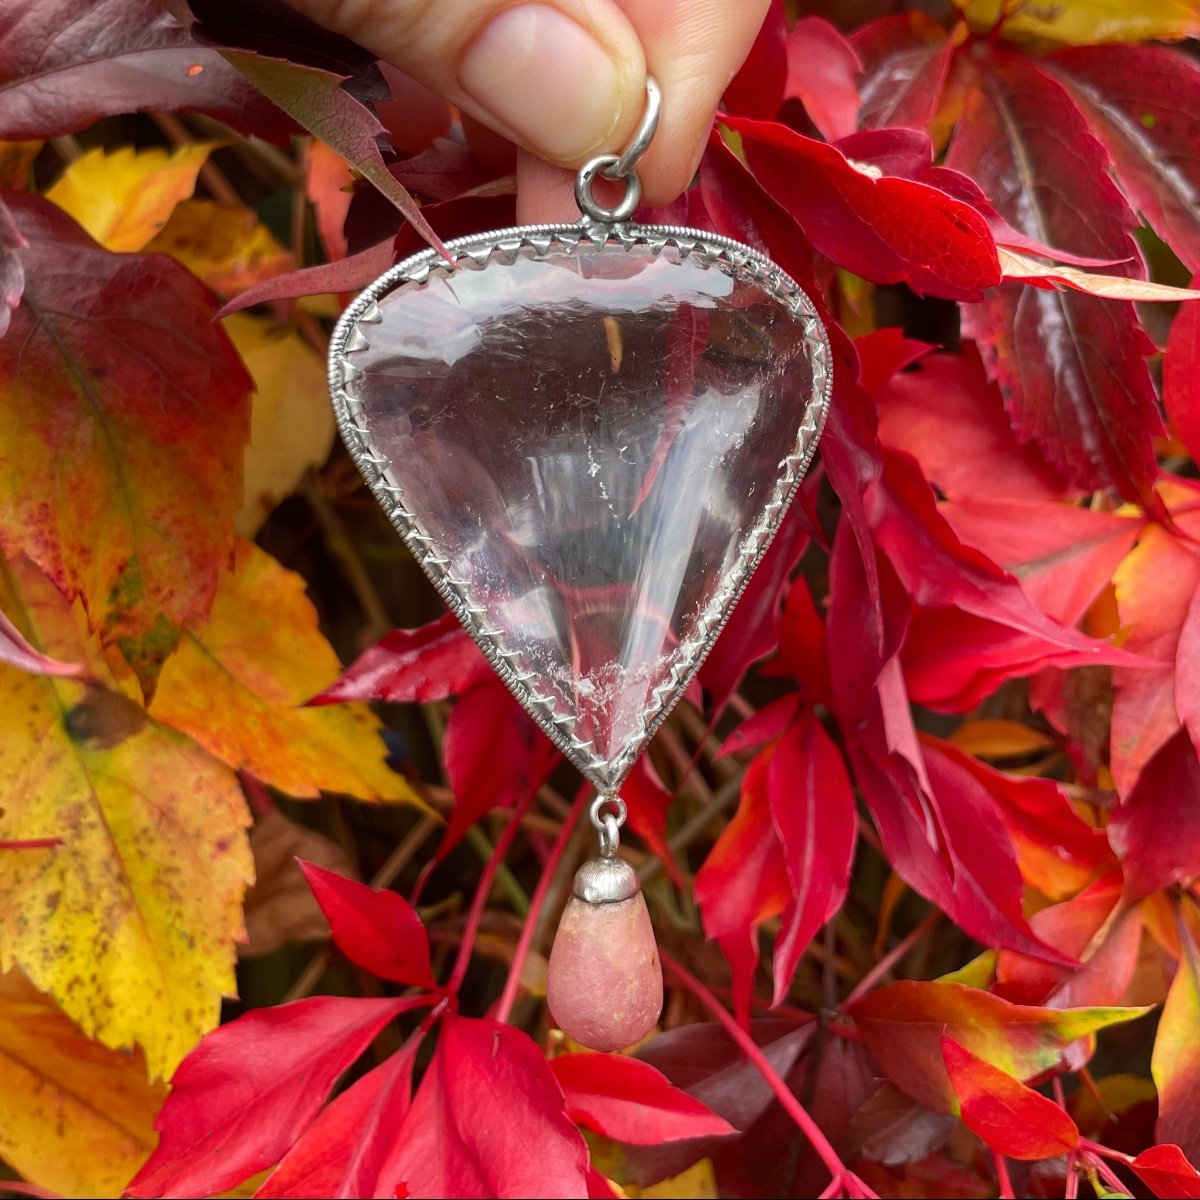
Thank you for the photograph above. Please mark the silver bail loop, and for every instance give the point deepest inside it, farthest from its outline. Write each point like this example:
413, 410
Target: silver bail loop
620, 166
608, 823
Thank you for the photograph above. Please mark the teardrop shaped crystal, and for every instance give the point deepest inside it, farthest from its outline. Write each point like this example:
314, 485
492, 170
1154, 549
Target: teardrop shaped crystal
588, 447
604, 983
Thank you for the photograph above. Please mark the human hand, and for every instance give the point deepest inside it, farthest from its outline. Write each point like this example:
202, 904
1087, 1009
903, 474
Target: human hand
565, 80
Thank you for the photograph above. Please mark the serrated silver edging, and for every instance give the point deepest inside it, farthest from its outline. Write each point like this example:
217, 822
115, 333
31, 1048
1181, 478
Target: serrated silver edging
350, 336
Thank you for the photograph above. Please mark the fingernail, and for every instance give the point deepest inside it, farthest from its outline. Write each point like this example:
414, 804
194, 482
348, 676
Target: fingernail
545, 78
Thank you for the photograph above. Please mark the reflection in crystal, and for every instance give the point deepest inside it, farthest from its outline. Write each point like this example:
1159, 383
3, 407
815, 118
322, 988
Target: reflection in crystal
587, 438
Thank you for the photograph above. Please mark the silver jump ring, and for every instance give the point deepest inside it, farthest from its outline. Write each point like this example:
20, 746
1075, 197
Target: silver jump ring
620, 166
610, 836
588, 203
642, 136
600, 817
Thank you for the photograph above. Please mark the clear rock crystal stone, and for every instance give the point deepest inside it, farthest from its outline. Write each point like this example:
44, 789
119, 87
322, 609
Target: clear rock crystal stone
590, 448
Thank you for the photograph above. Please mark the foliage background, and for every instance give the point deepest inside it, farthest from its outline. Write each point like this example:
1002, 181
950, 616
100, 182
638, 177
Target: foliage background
921, 848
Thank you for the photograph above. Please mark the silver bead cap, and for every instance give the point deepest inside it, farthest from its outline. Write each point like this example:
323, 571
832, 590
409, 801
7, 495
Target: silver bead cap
606, 880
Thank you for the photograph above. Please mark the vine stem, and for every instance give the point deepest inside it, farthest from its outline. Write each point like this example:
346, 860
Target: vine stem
482, 892
844, 1180
1003, 1180
532, 923
45, 843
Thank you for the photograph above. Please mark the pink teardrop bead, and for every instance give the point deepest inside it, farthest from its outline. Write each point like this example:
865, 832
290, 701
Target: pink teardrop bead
604, 983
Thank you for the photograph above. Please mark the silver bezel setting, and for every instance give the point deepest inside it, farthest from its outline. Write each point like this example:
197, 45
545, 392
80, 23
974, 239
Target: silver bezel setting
352, 334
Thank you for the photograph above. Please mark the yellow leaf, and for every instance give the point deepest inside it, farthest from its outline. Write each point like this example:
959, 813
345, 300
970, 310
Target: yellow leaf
225, 245
124, 198
76, 1118
999, 738
1019, 267
1087, 22
699, 1181
130, 922
236, 685
291, 424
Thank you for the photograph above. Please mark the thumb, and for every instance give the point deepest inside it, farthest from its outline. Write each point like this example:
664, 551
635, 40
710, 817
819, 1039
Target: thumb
563, 79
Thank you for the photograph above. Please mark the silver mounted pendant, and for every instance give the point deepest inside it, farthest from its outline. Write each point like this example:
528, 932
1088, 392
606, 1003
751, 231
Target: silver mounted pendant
587, 434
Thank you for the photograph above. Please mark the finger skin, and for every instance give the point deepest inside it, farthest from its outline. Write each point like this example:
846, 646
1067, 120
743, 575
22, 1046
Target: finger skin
693, 48
430, 39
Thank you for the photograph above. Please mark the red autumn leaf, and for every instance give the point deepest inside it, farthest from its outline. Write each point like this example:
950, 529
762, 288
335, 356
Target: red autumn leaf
938, 568
346, 274
647, 801
739, 207
813, 811
1012, 1119
704, 1061
893, 1129
115, 56
316, 100
762, 726
278, 30
963, 859
1156, 828
951, 419
1071, 367
369, 260
1181, 371
413, 666
1057, 850
157, 417
744, 880
343, 1151
750, 634
631, 1101
1063, 555
1064, 558
1073, 927
884, 354
902, 1026
279, 1061
378, 930
1141, 102
1166, 1171
757, 89
1155, 588
905, 60
802, 644
445, 170
822, 66
940, 828
495, 755
487, 1098
886, 229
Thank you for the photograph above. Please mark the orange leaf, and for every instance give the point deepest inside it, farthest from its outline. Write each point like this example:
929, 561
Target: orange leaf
1013, 1119
225, 245
238, 682
75, 1117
